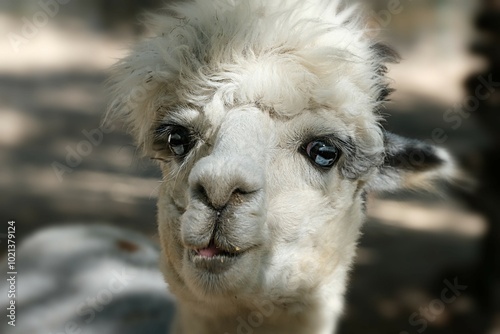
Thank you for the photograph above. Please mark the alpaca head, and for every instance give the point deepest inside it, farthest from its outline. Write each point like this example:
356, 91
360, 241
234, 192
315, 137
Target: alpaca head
264, 118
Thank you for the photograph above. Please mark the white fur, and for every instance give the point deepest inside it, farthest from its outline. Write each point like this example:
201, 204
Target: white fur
255, 79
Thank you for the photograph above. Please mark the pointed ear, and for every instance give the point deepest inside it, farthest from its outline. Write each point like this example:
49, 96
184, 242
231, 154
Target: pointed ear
410, 163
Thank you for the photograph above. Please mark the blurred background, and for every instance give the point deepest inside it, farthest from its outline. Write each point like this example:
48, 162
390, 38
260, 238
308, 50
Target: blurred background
56, 170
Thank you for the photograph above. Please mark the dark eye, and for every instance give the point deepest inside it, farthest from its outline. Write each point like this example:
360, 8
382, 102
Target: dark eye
178, 138
322, 154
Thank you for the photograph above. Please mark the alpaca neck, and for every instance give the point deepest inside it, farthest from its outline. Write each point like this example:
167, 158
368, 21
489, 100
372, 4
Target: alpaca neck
263, 318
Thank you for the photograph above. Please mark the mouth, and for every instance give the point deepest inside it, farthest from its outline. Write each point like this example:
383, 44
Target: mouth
213, 258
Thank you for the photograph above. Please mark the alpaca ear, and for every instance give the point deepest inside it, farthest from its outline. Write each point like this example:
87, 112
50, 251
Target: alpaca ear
410, 163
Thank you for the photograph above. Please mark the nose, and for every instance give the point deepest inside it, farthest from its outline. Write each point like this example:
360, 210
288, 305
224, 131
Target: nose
218, 181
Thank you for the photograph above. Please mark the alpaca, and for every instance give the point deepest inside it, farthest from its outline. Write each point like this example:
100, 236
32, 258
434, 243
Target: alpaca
264, 119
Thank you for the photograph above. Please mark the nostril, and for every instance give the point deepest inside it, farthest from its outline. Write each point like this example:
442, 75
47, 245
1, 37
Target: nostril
239, 191
245, 190
241, 195
219, 200
201, 192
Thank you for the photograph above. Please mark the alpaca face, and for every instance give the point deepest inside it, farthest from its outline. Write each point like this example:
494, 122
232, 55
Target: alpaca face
262, 190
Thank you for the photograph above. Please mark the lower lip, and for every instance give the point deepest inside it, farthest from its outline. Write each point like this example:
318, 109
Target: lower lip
216, 264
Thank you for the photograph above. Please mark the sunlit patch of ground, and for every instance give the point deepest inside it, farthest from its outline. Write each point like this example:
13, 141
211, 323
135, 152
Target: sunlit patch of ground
55, 48
16, 128
438, 78
446, 217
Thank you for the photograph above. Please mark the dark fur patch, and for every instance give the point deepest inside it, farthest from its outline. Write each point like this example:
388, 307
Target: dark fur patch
358, 161
385, 92
387, 55
409, 154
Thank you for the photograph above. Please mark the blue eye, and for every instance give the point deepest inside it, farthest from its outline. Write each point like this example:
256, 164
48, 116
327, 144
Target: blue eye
322, 154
